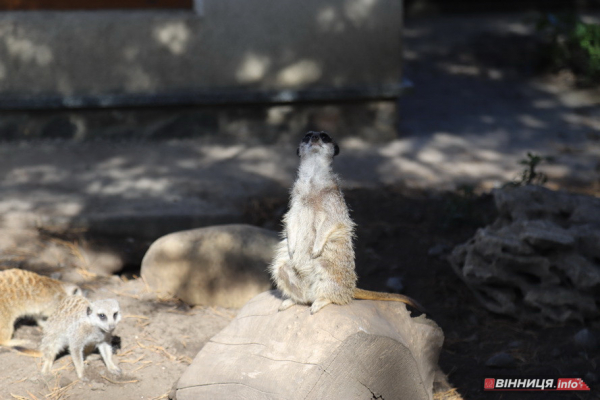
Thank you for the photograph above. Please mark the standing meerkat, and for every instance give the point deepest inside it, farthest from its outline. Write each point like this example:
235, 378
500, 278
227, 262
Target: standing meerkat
314, 262
27, 294
80, 325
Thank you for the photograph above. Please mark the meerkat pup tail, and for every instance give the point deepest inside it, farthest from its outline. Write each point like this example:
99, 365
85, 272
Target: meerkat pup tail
361, 294
26, 351
79, 324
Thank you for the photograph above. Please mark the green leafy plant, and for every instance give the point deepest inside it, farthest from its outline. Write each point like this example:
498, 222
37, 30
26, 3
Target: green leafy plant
573, 44
530, 175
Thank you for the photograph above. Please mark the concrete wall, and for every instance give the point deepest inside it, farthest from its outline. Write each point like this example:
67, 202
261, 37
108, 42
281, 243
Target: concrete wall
235, 51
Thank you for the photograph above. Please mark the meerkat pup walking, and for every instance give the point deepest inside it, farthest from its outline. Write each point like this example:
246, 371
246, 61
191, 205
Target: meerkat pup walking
27, 294
314, 262
80, 325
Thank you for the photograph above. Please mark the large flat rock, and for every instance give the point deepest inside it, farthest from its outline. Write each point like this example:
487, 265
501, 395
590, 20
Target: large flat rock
363, 350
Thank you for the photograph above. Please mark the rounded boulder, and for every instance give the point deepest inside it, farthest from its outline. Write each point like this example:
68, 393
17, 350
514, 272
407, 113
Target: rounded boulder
222, 265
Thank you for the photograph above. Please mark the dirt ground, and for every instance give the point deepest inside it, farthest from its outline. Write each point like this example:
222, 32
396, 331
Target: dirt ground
464, 87
156, 340
401, 234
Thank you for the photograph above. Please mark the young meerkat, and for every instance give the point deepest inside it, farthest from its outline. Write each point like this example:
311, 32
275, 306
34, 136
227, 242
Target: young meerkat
27, 294
314, 262
80, 325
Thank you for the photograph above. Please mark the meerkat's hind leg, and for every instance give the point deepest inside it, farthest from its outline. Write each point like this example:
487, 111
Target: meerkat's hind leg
106, 353
49, 356
318, 304
77, 356
287, 303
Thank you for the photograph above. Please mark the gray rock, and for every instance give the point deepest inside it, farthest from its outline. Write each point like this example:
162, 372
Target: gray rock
438, 250
555, 352
590, 377
540, 260
501, 360
515, 344
223, 265
362, 350
585, 340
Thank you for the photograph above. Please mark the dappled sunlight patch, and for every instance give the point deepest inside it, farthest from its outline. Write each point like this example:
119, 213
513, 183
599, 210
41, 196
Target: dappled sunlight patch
531, 122
28, 51
330, 20
38, 174
262, 162
253, 68
130, 188
431, 156
216, 153
302, 72
460, 69
278, 114
398, 170
592, 122
174, 247
397, 148
359, 11
137, 78
11, 205
447, 141
174, 36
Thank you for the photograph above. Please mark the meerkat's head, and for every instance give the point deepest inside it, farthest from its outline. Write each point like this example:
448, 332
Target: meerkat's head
105, 314
317, 143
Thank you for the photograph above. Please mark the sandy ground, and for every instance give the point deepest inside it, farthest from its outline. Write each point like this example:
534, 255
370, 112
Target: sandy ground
158, 339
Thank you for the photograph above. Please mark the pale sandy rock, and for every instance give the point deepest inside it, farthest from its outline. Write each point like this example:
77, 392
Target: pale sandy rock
224, 265
362, 350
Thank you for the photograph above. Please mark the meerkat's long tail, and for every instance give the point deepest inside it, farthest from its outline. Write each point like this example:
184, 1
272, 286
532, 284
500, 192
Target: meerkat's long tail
361, 294
28, 352
16, 345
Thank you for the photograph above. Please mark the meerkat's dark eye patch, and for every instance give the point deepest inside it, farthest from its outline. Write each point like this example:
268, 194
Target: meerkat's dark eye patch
115, 315
307, 137
325, 137
102, 317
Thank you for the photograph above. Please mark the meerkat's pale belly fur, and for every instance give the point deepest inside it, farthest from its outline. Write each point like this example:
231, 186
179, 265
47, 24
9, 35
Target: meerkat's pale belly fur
314, 263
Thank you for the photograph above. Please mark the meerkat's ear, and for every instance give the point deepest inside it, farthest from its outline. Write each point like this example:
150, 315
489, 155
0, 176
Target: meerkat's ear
336, 149
89, 311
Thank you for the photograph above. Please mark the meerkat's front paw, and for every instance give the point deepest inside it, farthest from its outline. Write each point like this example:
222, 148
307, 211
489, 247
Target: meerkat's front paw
287, 303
